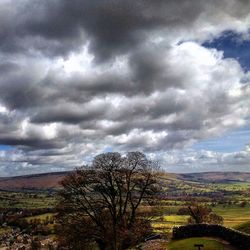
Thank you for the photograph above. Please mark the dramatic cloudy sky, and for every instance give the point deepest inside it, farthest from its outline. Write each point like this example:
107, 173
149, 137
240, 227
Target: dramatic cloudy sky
82, 77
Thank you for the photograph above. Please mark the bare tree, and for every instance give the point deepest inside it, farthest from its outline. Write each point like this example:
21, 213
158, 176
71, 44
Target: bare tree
202, 214
102, 202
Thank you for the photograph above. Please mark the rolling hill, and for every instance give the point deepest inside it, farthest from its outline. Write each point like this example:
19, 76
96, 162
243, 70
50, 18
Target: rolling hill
43, 181
49, 181
216, 177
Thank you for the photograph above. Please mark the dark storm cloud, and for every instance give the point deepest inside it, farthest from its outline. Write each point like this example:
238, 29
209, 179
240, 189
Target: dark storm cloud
29, 142
8, 67
37, 25
56, 27
106, 83
148, 69
20, 94
69, 114
21, 88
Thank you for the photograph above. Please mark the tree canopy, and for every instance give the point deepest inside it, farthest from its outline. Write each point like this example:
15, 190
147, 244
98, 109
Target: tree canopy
101, 202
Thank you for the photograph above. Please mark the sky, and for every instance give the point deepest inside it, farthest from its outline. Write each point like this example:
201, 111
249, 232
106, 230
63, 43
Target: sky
80, 78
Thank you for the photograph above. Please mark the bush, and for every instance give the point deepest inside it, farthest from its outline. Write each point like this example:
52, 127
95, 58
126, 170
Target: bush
243, 204
183, 211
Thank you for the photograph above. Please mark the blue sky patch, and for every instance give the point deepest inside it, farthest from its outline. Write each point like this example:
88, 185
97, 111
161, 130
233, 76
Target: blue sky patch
5, 147
232, 141
233, 46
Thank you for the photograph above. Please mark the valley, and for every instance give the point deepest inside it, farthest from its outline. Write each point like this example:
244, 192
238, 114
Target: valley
28, 202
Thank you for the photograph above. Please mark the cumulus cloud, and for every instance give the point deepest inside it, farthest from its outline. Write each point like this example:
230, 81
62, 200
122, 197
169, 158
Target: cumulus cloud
82, 77
113, 27
189, 160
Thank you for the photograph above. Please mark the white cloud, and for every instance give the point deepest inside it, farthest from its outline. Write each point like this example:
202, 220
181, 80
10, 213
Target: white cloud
3, 109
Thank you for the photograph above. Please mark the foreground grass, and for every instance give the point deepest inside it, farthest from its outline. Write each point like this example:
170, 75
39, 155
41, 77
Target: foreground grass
188, 244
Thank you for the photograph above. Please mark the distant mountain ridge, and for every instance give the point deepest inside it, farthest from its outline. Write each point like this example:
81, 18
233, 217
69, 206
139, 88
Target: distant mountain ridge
220, 177
50, 181
44, 181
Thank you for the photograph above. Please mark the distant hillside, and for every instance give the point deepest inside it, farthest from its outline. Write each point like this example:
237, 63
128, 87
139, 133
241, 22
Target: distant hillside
48, 181
216, 177
43, 181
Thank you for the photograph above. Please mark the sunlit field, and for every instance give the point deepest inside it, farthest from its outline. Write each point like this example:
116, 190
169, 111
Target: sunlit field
26, 200
233, 215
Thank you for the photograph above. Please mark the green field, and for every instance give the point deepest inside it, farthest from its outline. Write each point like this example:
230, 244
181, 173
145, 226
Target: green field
26, 200
233, 215
166, 223
223, 198
188, 244
244, 227
41, 217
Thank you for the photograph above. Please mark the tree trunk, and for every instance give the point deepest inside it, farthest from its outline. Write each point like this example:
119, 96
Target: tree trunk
114, 237
101, 245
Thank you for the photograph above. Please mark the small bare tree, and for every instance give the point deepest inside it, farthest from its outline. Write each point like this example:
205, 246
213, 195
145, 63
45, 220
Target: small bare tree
202, 214
101, 202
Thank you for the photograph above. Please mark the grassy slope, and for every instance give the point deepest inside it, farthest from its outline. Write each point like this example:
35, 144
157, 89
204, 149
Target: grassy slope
36, 182
188, 244
25, 200
41, 217
244, 227
217, 176
50, 180
166, 223
233, 215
